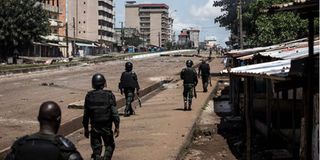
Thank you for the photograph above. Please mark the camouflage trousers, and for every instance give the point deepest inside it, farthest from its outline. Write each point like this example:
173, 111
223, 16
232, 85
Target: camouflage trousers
97, 135
188, 93
129, 95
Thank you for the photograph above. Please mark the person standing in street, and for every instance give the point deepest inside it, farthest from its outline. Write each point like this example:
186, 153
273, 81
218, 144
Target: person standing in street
204, 72
101, 111
45, 144
190, 81
129, 85
210, 52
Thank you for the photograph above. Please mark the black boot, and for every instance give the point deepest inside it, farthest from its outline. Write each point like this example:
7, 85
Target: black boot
189, 107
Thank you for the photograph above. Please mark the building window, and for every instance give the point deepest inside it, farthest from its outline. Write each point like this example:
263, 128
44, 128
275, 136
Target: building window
84, 22
84, 31
84, 12
84, 2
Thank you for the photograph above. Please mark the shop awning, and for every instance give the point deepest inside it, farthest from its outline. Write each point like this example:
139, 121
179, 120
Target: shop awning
86, 44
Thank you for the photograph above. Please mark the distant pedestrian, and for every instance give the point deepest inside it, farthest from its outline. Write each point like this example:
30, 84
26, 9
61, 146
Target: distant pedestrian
198, 51
190, 80
204, 72
129, 85
210, 53
101, 111
45, 144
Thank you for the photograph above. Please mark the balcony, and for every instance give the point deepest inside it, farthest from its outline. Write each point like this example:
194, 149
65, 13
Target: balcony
145, 19
107, 1
154, 10
50, 8
109, 39
55, 23
104, 28
106, 10
144, 15
146, 27
106, 19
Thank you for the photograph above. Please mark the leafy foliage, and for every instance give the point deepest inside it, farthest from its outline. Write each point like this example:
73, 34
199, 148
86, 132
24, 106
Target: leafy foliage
260, 28
21, 22
133, 41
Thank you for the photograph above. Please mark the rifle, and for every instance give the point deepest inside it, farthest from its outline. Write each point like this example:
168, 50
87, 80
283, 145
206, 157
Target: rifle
139, 100
195, 92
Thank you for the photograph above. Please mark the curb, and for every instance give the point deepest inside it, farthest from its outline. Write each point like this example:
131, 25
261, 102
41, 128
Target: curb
125, 57
184, 147
75, 124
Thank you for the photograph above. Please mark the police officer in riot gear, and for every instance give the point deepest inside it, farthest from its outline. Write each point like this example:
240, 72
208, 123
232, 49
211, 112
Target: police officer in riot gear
45, 144
128, 85
204, 71
190, 80
100, 109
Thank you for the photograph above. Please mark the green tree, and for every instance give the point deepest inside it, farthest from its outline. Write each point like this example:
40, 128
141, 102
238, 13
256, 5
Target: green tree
133, 41
260, 28
21, 23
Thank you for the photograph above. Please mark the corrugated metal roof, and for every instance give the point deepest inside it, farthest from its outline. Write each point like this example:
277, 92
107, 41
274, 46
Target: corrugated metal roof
278, 68
244, 52
289, 53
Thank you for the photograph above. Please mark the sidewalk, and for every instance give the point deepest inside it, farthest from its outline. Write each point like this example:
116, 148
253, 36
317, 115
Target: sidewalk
158, 131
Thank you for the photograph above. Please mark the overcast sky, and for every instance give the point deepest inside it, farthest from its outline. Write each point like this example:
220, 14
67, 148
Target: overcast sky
190, 13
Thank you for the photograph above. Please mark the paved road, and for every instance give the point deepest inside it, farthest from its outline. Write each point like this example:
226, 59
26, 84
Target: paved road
159, 128
21, 95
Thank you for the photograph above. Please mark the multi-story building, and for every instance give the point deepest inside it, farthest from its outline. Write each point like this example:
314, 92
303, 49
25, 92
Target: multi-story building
49, 46
91, 20
189, 38
194, 37
151, 19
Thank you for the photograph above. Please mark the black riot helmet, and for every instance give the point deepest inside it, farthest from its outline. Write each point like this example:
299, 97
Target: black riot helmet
98, 81
189, 63
129, 66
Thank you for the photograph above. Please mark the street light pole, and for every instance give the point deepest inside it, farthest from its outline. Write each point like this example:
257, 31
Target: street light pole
171, 25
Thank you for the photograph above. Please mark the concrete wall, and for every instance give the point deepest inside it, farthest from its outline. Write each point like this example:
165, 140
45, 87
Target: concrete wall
132, 19
72, 12
155, 28
86, 17
92, 25
194, 37
62, 17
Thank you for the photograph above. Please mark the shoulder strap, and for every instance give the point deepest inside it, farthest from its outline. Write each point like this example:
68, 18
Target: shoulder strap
64, 144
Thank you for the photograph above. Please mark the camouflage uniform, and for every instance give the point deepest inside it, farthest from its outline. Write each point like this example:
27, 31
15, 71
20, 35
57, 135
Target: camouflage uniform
128, 84
100, 109
190, 80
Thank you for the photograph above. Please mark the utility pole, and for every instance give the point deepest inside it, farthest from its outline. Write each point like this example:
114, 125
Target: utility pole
240, 24
122, 34
159, 38
74, 36
67, 39
101, 33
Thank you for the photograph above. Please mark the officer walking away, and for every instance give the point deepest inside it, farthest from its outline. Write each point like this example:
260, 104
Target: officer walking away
100, 109
45, 144
128, 85
190, 80
204, 71
210, 53
198, 49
